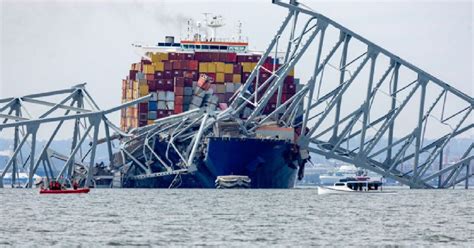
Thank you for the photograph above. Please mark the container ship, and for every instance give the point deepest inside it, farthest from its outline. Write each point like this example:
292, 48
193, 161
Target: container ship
197, 75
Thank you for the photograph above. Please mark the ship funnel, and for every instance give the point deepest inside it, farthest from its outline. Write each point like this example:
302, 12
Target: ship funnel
169, 39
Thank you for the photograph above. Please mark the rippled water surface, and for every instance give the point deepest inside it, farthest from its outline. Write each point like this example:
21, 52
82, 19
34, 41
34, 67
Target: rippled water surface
180, 217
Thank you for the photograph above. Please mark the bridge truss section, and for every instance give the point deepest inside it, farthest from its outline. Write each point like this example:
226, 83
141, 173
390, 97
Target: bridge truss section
68, 111
361, 104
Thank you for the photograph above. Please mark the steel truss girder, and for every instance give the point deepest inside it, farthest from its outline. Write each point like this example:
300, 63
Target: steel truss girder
72, 100
391, 152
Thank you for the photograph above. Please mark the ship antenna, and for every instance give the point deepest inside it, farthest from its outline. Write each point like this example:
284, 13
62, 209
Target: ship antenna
189, 29
239, 30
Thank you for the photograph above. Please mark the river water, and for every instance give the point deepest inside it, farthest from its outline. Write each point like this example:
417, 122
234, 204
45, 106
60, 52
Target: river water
202, 217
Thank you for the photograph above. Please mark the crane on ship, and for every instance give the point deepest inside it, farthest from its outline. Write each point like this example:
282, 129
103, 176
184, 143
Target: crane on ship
379, 128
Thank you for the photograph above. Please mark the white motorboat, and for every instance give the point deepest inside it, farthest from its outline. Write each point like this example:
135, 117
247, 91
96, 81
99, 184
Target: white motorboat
358, 185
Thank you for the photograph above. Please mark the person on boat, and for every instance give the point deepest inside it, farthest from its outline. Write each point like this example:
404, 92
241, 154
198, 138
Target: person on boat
74, 185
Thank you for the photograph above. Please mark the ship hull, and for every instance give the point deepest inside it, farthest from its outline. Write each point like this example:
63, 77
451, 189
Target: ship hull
264, 161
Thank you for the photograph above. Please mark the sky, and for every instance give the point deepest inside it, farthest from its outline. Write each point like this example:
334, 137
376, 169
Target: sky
48, 45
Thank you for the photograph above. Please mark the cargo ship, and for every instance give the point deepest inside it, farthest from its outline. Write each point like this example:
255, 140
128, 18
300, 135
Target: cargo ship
199, 73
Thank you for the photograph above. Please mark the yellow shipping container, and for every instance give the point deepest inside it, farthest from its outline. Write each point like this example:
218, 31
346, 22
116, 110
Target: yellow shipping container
143, 89
154, 57
203, 67
148, 69
163, 56
135, 84
219, 77
159, 66
129, 94
211, 67
229, 68
292, 72
220, 67
236, 78
247, 66
141, 82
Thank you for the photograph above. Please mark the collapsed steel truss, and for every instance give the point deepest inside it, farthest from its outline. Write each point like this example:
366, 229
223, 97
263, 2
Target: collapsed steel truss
354, 137
79, 108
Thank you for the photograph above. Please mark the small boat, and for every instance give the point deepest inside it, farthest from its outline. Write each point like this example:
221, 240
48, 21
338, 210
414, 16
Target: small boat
233, 182
65, 191
357, 185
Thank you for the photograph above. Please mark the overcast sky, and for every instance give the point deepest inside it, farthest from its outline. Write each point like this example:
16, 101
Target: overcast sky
47, 45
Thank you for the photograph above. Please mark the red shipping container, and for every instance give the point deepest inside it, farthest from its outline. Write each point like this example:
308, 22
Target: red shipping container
169, 85
202, 56
193, 65
237, 69
184, 65
188, 82
188, 56
177, 65
178, 91
178, 100
173, 56
180, 56
290, 88
195, 75
143, 107
146, 62
289, 80
187, 74
223, 57
214, 57
242, 58
212, 77
152, 85
245, 76
228, 77
158, 74
179, 82
132, 75
231, 57
150, 77
168, 74
178, 109
161, 84
168, 65
255, 58
177, 73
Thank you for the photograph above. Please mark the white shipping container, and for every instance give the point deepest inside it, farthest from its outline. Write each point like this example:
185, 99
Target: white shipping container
229, 87
169, 96
237, 86
162, 105
154, 96
170, 105
161, 95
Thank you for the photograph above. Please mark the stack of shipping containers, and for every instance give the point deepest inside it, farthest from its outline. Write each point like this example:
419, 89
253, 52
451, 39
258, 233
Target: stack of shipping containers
175, 83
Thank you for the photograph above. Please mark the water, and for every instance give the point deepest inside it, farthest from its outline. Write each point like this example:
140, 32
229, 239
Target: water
299, 217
